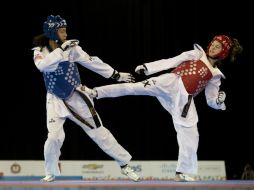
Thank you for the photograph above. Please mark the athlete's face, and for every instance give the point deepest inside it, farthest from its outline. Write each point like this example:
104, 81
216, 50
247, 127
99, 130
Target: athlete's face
61, 32
215, 49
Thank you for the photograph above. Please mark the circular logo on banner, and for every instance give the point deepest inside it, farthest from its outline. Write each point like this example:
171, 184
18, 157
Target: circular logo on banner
15, 168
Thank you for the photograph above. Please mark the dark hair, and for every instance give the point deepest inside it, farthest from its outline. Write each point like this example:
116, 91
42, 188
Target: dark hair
236, 50
41, 40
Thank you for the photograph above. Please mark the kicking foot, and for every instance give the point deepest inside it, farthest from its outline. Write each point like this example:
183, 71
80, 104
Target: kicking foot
84, 89
128, 171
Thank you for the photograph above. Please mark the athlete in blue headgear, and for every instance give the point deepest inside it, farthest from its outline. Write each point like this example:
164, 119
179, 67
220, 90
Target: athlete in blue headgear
56, 58
51, 26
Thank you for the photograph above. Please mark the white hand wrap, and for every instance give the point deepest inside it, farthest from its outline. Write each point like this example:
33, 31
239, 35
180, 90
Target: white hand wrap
68, 44
221, 97
141, 69
125, 77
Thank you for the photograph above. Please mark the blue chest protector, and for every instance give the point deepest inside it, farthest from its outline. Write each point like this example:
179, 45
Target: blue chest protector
63, 81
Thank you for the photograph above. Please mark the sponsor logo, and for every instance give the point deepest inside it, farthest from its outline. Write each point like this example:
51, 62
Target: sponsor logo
168, 168
137, 168
93, 168
15, 168
52, 120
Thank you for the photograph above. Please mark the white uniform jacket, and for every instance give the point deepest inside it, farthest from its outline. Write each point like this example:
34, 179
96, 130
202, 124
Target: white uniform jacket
176, 102
47, 61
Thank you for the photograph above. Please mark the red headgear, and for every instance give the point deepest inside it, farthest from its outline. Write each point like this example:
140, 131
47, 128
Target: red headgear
226, 45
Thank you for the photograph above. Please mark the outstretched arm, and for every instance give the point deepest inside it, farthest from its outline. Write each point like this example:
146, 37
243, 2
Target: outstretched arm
96, 65
165, 64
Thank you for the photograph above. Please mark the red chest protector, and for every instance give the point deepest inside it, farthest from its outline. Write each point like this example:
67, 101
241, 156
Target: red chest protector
195, 75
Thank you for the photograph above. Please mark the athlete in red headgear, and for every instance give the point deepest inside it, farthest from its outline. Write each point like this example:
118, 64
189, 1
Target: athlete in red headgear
193, 71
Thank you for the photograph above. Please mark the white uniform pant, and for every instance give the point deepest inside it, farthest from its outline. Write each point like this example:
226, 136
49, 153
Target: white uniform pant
169, 90
55, 120
187, 138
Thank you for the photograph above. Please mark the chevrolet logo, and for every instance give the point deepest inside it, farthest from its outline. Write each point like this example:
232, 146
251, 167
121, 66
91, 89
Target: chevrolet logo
92, 166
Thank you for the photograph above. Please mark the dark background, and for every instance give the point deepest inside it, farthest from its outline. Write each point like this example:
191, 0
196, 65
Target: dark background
124, 34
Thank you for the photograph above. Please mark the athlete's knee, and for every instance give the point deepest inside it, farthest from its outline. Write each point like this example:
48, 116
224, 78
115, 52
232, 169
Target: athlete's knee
56, 136
100, 134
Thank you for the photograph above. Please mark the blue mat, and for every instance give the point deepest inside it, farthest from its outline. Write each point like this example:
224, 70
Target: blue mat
29, 178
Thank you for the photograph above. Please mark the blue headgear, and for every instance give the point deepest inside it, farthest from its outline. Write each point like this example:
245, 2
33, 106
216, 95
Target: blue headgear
51, 26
